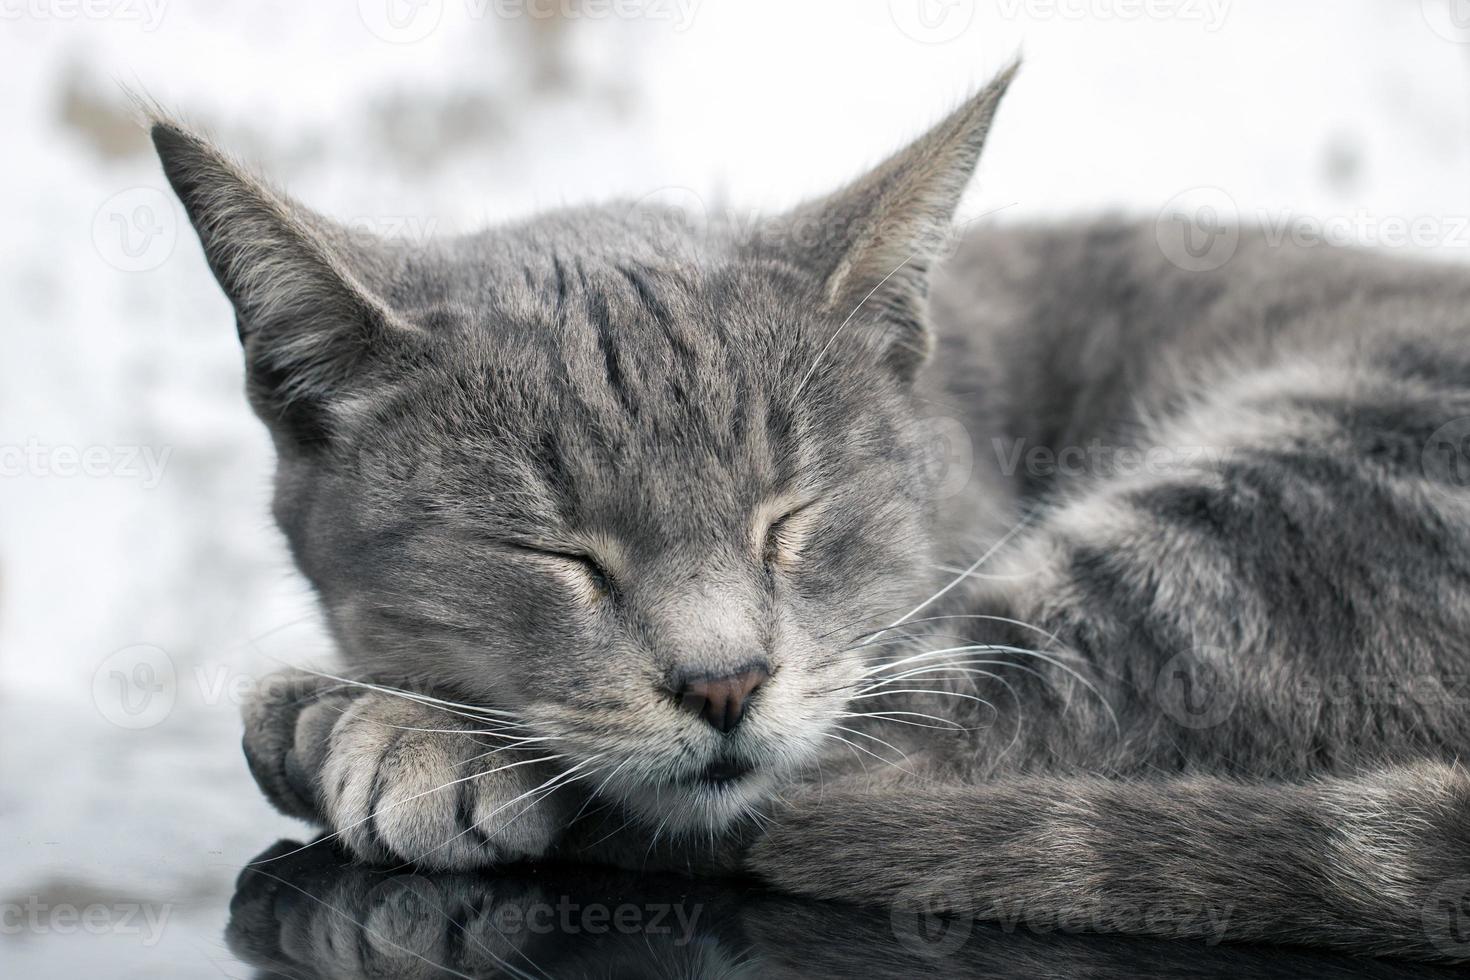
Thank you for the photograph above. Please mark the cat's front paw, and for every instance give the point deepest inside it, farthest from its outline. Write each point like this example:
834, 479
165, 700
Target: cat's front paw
408, 782
398, 780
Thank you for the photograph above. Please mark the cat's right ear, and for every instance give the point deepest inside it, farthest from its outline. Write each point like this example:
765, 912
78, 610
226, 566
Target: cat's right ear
874, 243
309, 323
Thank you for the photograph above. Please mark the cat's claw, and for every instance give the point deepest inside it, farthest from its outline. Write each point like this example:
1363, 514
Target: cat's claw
397, 780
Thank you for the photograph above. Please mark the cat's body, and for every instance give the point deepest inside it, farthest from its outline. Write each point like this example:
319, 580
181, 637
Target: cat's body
1237, 480
640, 531
1245, 529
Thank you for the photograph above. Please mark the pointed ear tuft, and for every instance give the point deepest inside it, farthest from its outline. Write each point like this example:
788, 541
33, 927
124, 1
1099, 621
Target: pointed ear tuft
306, 318
879, 237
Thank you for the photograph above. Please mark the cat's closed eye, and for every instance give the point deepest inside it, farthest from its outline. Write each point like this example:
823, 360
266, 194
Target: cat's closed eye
580, 568
786, 534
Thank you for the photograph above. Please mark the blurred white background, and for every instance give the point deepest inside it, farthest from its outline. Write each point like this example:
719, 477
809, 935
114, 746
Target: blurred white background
142, 586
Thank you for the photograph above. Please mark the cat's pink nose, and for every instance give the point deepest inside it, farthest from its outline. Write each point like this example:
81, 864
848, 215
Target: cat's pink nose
721, 701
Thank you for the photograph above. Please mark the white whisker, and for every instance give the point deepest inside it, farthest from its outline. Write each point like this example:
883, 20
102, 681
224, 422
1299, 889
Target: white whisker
901, 717
964, 668
367, 930
868, 735
854, 748
452, 707
381, 810
936, 692
1025, 521
549, 786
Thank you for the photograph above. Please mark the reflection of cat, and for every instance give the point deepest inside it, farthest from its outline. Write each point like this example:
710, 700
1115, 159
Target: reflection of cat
633, 525
308, 912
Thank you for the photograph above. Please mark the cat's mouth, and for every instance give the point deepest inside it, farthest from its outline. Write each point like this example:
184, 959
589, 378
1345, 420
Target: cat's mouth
725, 771
719, 773
700, 794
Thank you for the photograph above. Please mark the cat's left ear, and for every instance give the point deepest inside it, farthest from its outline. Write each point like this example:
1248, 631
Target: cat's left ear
874, 242
306, 291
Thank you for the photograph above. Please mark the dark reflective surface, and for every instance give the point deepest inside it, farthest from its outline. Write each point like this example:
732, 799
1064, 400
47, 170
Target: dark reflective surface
302, 913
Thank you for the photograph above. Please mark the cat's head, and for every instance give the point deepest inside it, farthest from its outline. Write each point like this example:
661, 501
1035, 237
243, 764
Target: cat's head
639, 484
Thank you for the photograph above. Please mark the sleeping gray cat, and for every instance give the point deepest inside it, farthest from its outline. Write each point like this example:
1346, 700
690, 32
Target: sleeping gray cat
633, 541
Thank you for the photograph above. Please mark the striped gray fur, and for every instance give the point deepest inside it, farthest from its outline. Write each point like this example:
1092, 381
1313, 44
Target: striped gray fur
1216, 670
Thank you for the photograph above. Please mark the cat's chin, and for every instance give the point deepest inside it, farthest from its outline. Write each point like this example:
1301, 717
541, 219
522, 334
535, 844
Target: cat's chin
699, 807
